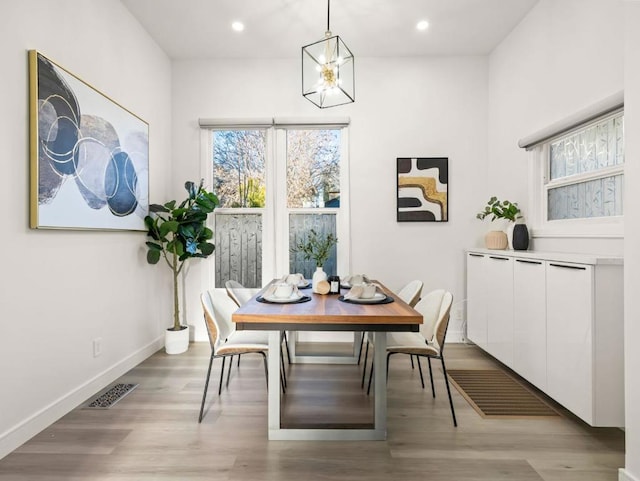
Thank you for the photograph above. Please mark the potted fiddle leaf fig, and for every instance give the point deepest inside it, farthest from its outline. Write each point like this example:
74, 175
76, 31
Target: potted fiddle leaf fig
179, 232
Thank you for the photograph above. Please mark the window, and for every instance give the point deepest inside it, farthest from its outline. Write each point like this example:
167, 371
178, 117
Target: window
585, 171
577, 172
275, 183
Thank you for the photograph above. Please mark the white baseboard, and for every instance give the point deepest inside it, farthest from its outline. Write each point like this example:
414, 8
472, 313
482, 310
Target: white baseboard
25, 430
624, 475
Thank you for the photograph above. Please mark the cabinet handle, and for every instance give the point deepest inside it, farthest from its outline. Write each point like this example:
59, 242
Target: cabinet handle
528, 262
476, 255
499, 258
569, 267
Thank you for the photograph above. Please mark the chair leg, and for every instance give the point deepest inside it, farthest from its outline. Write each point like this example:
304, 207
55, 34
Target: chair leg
446, 380
266, 369
224, 358
286, 346
364, 368
239, 360
371, 372
206, 387
420, 369
412, 366
433, 388
284, 372
229, 371
361, 344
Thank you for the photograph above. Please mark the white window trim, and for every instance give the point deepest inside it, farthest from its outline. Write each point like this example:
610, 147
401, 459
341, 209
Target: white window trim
537, 146
277, 266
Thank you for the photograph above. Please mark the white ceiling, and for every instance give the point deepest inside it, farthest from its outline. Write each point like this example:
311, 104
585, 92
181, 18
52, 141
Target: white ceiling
189, 29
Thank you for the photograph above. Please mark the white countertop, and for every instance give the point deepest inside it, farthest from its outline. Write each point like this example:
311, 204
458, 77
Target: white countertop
592, 259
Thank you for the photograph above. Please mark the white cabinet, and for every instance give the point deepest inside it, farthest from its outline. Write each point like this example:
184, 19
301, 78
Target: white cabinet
557, 320
476, 300
529, 321
570, 336
499, 294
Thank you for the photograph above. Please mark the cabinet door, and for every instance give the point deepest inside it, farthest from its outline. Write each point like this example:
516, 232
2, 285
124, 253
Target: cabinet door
569, 336
476, 300
499, 296
529, 321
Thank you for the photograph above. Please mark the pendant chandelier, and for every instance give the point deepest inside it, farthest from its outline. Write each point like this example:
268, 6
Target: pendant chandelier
328, 76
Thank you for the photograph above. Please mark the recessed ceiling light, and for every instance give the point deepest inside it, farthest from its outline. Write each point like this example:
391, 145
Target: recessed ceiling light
237, 26
422, 25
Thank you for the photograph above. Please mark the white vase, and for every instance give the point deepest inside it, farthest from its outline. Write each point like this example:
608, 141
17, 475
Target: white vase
176, 342
318, 275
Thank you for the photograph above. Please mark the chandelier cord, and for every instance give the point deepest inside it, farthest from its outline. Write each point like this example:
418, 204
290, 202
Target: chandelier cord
328, 12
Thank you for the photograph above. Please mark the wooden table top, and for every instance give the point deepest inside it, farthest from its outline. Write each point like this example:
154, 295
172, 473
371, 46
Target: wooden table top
326, 312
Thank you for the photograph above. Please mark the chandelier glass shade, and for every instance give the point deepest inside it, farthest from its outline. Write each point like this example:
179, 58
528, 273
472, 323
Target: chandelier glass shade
328, 72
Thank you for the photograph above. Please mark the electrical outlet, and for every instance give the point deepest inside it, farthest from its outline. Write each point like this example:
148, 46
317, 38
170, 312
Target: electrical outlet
459, 313
97, 346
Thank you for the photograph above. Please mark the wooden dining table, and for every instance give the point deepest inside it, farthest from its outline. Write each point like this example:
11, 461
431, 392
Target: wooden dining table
328, 313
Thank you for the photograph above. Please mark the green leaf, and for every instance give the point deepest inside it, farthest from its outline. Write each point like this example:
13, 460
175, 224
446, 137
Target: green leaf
206, 234
157, 208
178, 212
154, 246
191, 188
177, 245
153, 256
170, 205
206, 248
169, 226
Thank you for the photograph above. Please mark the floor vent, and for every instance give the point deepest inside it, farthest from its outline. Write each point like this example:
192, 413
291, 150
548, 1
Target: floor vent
112, 396
492, 392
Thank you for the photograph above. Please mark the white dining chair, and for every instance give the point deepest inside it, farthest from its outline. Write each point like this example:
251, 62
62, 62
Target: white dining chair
410, 294
225, 340
435, 308
241, 295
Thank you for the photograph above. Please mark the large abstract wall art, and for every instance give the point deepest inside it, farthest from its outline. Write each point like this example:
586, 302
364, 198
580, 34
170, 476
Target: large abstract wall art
89, 155
423, 185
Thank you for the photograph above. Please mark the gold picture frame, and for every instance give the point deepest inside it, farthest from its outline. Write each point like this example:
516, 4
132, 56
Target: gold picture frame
89, 156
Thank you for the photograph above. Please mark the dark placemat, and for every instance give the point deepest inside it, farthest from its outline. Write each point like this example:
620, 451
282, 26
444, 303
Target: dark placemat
302, 299
386, 300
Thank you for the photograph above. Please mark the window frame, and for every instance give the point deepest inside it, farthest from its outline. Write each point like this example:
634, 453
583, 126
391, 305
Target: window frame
539, 172
275, 222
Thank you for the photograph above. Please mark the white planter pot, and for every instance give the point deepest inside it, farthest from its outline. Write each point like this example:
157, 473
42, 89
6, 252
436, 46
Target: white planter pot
176, 342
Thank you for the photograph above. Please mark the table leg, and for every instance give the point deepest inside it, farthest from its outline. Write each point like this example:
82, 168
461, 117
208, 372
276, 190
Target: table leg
380, 379
274, 401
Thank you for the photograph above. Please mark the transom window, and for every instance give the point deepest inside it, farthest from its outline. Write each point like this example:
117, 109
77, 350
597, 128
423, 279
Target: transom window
576, 172
586, 171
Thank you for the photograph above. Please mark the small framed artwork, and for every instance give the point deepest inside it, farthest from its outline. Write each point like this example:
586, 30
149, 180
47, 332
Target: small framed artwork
423, 184
89, 156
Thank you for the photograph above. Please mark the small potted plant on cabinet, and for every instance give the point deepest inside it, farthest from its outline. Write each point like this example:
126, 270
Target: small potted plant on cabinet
316, 247
179, 233
509, 211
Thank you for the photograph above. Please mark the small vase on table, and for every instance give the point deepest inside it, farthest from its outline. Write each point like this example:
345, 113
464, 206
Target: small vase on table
318, 275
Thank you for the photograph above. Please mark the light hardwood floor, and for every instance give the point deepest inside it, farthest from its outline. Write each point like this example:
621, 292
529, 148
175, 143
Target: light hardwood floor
153, 433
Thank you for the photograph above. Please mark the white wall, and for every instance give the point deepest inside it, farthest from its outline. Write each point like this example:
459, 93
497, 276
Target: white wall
632, 240
405, 107
564, 56
61, 289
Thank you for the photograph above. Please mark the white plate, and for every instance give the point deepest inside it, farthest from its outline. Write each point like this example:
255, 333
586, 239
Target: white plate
284, 300
378, 297
304, 284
